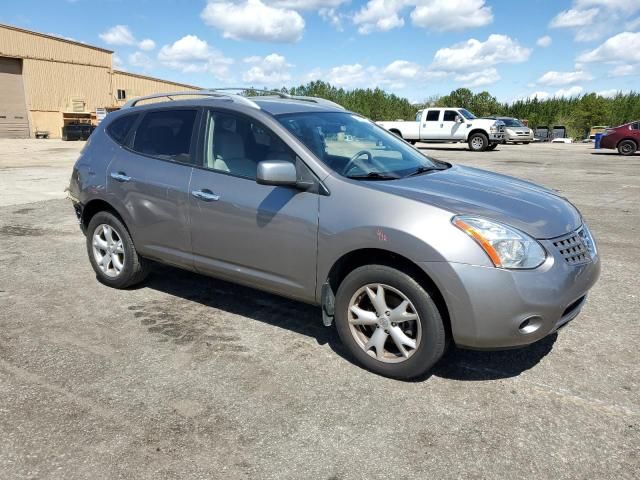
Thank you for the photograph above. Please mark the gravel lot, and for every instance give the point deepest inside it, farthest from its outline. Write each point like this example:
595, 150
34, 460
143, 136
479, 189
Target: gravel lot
189, 377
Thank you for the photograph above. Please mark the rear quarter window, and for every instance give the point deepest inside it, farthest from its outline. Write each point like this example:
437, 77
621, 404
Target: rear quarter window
119, 129
166, 134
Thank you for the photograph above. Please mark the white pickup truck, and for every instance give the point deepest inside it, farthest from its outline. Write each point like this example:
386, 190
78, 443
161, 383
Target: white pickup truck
450, 125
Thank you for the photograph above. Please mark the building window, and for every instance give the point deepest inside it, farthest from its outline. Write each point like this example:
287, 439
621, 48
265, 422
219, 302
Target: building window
122, 95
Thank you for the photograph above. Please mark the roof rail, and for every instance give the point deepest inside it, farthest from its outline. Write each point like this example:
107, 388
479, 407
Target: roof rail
198, 93
280, 94
223, 93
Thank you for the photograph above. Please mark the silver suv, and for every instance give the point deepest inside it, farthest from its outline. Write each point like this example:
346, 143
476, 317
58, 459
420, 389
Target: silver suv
299, 197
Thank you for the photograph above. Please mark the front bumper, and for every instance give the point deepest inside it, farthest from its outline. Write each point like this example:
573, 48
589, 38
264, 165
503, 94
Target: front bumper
497, 137
492, 308
513, 137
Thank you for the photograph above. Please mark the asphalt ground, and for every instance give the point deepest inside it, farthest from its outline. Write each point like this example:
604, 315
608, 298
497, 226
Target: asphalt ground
191, 377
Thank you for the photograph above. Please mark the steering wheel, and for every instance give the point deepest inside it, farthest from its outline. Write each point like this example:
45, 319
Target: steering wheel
350, 164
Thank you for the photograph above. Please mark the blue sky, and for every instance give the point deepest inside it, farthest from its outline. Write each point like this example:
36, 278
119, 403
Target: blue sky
415, 48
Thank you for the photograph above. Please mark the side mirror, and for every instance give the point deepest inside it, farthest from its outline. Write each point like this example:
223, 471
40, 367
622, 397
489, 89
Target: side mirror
277, 172
458, 119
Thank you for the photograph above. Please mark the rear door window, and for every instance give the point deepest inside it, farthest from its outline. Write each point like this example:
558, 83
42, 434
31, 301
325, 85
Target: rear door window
166, 134
119, 129
433, 115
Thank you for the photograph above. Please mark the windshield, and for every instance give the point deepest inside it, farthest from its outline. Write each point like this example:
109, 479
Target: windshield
356, 147
511, 122
467, 114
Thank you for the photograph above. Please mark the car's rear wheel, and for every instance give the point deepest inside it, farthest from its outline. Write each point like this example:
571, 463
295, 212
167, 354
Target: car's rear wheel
112, 253
627, 147
396, 133
478, 142
389, 323
526, 143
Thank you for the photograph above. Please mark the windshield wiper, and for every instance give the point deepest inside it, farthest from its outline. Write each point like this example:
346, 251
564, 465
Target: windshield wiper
373, 176
421, 170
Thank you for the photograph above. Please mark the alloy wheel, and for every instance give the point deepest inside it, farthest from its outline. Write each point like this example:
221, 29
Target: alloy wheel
384, 323
108, 250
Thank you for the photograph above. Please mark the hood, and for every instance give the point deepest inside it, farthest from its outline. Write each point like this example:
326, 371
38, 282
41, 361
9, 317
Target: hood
535, 210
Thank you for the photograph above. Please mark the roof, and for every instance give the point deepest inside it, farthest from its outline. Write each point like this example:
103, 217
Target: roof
155, 79
53, 37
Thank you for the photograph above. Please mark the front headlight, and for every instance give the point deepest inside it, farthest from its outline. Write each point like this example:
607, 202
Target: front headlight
587, 239
493, 128
505, 246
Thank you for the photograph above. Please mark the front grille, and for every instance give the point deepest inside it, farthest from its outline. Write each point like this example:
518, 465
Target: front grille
572, 249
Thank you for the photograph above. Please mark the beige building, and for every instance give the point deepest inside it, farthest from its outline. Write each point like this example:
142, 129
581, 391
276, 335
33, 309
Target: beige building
47, 82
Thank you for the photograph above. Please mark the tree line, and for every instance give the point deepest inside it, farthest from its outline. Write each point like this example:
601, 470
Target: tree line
578, 114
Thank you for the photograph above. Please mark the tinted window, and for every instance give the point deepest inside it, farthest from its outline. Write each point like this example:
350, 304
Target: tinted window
635, 126
450, 115
235, 144
166, 134
119, 128
432, 115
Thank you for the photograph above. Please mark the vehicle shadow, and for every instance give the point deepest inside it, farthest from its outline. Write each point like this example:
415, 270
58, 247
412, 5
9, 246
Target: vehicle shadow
423, 146
614, 153
306, 320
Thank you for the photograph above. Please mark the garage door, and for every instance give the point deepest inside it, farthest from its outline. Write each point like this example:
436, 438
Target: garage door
14, 122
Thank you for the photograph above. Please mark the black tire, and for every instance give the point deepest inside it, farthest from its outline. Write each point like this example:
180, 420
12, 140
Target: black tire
413, 142
433, 342
478, 142
135, 268
396, 133
627, 147
526, 143
492, 146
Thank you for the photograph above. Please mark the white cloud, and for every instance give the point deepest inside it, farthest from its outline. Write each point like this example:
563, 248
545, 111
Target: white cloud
474, 54
564, 78
594, 19
306, 4
609, 93
118, 35
191, 54
539, 95
478, 79
332, 16
268, 71
569, 92
254, 20
402, 69
118, 63
574, 18
140, 60
121, 35
446, 15
350, 75
544, 42
147, 44
439, 15
624, 70
379, 15
623, 47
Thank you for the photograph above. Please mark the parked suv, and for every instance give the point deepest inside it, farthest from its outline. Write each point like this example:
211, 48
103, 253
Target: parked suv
302, 198
625, 138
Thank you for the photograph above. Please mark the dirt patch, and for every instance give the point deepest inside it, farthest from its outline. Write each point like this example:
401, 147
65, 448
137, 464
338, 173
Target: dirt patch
21, 231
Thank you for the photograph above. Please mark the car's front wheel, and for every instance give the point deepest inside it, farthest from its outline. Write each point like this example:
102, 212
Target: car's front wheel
112, 253
627, 147
478, 142
389, 323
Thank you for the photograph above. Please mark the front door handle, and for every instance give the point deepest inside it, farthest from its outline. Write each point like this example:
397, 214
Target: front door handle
206, 195
120, 176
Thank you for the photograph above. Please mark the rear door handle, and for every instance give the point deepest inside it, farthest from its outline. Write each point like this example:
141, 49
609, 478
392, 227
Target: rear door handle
120, 176
205, 195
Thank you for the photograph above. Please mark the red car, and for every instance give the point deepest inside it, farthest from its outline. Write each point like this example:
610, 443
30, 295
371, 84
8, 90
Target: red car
626, 138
